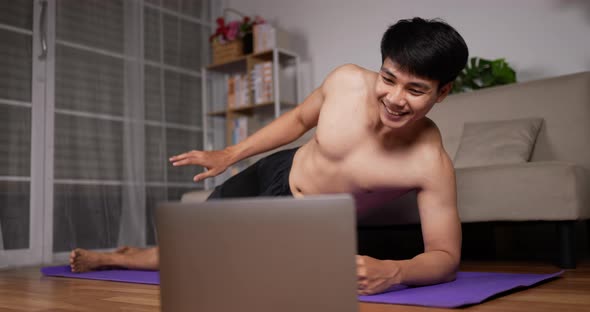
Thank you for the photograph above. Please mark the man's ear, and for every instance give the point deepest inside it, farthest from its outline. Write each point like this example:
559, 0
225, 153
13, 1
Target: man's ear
444, 91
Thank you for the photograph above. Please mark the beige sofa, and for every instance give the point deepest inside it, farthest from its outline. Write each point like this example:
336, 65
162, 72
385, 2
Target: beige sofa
553, 186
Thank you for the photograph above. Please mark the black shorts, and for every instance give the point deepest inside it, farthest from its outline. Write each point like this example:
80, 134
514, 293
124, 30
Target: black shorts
267, 177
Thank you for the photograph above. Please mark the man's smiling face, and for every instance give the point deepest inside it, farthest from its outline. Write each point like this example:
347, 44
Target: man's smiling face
405, 98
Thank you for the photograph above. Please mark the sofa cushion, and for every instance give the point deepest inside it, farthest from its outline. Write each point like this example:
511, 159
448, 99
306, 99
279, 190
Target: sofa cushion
543, 190
497, 142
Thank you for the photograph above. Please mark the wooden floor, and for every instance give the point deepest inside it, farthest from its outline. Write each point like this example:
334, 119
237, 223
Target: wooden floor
26, 289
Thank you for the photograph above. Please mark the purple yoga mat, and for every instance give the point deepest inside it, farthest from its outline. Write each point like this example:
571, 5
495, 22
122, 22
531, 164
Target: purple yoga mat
468, 288
127, 276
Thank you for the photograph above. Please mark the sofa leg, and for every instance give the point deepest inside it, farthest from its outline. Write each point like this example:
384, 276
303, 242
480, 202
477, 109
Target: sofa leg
567, 244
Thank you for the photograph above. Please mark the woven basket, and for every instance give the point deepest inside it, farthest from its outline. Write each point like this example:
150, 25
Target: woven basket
228, 51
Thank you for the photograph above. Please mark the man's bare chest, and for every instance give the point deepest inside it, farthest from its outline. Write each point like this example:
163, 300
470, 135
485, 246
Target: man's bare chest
363, 166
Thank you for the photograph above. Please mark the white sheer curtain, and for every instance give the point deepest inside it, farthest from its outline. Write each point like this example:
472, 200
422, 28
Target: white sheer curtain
127, 95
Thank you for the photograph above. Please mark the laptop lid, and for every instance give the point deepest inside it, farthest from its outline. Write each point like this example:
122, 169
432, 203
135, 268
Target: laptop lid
258, 254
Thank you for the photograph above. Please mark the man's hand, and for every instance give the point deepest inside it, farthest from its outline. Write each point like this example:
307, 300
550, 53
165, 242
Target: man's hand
376, 276
215, 162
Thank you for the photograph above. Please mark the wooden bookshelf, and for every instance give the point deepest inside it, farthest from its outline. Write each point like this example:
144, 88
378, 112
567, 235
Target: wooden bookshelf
281, 60
249, 110
240, 64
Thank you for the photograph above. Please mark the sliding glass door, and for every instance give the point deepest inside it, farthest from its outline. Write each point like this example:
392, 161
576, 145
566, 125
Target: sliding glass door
95, 96
21, 133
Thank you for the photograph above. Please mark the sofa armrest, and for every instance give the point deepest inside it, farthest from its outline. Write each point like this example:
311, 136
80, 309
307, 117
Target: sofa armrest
195, 196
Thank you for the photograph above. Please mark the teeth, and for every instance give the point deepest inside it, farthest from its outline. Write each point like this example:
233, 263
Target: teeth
393, 112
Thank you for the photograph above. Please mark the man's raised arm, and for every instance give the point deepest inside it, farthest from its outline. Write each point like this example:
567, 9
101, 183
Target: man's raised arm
283, 130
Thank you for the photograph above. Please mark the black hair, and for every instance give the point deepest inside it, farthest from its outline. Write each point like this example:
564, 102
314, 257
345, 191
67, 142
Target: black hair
425, 48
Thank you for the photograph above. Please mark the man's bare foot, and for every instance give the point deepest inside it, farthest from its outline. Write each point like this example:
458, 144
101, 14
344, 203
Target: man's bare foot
82, 260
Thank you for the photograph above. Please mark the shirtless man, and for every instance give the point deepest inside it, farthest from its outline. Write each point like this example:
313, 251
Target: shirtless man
372, 140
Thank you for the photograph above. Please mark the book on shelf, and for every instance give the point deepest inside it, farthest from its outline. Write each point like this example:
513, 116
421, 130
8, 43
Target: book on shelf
231, 92
239, 134
267, 37
237, 91
262, 87
240, 130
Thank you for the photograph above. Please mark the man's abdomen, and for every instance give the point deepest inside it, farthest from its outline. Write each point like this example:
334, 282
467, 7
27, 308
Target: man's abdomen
311, 173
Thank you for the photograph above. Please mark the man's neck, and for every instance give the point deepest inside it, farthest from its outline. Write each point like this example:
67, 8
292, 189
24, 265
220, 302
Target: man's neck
398, 136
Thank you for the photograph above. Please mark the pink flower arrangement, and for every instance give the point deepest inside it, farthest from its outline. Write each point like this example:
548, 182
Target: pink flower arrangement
234, 29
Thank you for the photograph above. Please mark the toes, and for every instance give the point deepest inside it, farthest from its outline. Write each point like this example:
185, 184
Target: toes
72, 256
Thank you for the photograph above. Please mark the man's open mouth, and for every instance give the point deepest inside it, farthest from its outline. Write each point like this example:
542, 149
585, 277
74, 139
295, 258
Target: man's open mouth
394, 112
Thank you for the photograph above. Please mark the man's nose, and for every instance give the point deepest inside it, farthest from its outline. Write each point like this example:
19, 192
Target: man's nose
396, 97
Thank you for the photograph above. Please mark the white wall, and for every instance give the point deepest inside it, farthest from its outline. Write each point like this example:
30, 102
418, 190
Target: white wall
539, 38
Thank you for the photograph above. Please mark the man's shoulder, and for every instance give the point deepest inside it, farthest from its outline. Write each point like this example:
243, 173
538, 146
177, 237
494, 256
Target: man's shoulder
349, 76
429, 145
424, 133
349, 69
430, 131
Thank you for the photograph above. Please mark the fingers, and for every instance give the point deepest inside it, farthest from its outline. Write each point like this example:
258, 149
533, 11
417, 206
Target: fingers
362, 280
203, 176
178, 157
186, 161
206, 159
189, 158
361, 269
362, 289
182, 156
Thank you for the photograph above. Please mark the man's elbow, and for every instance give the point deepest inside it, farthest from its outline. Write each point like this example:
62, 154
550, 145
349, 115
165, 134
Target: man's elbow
453, 268
451, 276
448, 264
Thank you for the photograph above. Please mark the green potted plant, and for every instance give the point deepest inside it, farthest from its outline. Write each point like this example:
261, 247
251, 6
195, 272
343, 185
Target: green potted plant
482, 73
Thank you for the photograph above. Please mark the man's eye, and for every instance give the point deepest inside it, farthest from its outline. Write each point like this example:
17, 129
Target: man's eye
416, 92
387, 79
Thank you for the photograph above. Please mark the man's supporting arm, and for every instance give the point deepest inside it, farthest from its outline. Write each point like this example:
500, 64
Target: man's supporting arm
441, 229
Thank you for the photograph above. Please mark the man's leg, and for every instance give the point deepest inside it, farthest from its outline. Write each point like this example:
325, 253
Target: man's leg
267, 177
244, 184
82, 260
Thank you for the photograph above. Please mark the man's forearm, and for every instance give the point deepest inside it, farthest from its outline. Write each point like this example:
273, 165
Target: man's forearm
428, 268
285, 129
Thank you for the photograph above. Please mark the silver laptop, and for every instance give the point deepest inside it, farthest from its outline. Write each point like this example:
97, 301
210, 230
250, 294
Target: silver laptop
258, 254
